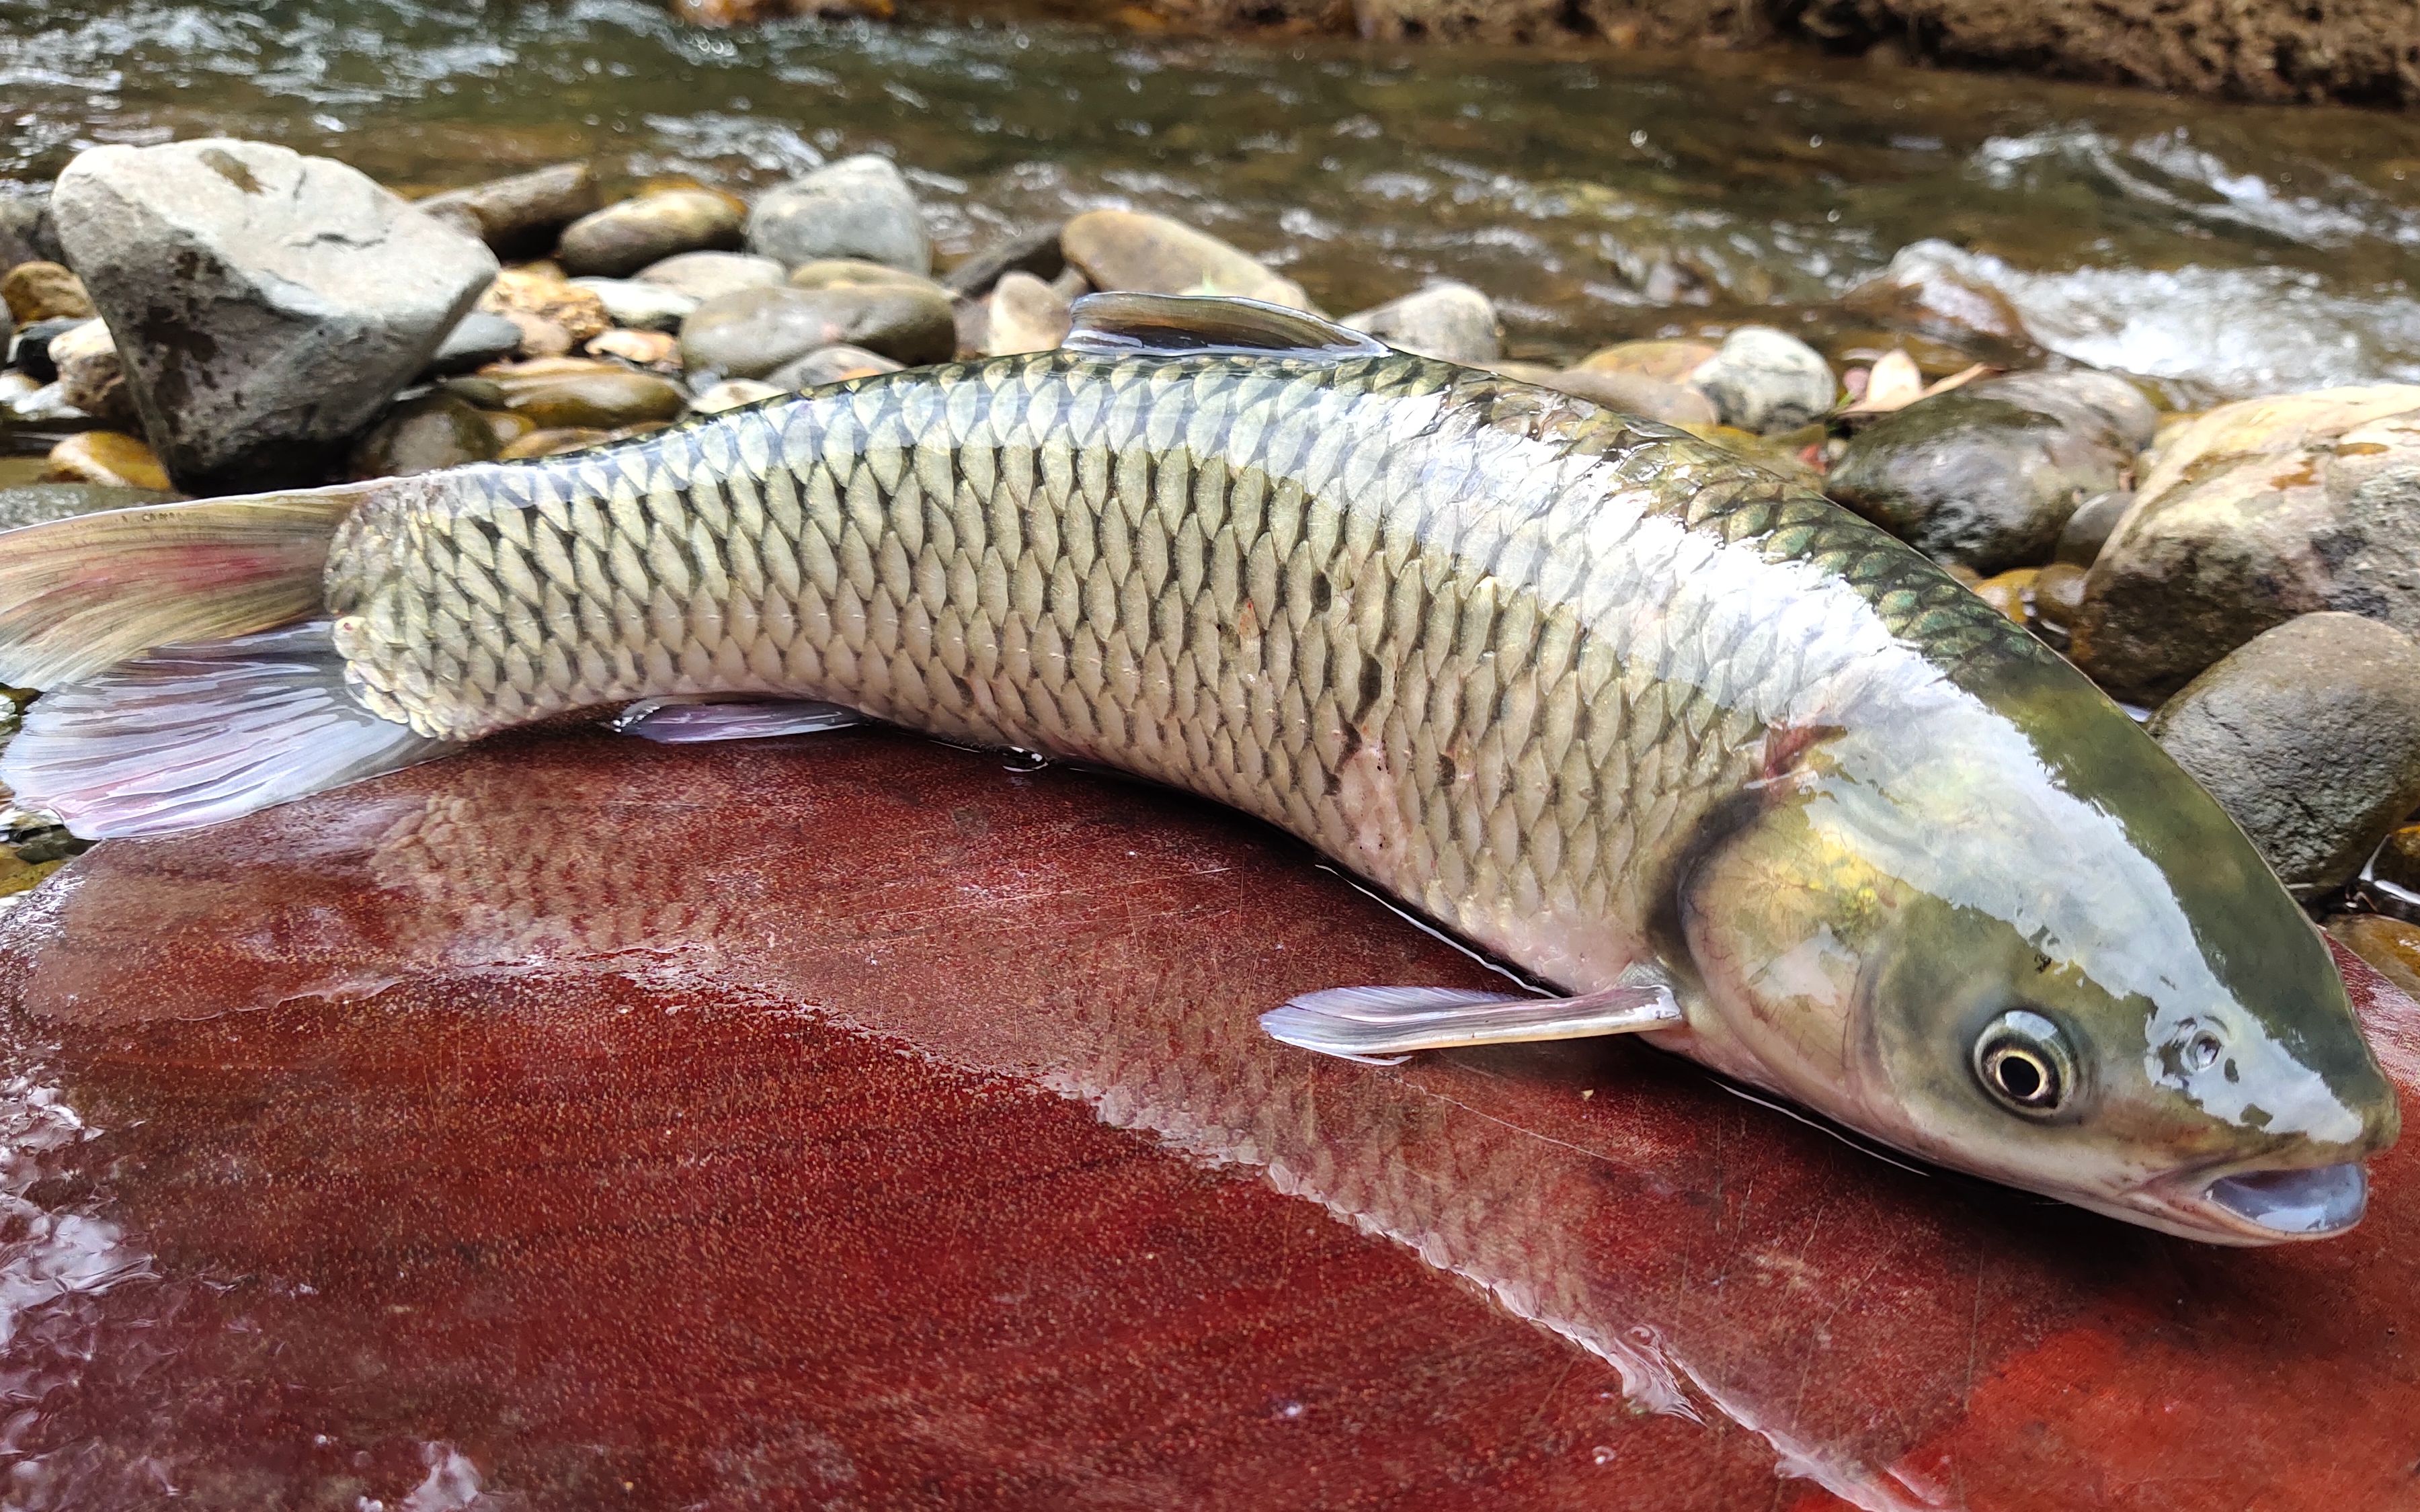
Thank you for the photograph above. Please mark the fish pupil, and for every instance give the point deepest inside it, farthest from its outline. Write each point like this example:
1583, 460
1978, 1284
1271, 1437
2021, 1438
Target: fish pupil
2020, 1076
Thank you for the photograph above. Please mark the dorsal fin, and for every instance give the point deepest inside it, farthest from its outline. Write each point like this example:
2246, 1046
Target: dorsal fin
1189, 325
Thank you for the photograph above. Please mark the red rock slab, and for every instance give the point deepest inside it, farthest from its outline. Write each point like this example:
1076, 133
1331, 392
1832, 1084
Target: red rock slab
852, 1121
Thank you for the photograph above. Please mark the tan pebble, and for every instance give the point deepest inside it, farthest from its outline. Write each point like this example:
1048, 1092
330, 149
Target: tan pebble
509, 428
648, 349
540, 337
540, 291
1670, 362
106, 456
44, 291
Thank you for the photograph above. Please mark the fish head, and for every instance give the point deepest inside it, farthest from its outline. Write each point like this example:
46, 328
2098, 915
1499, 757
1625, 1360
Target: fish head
2017, 940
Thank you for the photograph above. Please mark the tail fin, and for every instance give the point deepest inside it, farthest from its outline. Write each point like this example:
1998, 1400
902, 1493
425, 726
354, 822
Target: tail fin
82, 594
188, 735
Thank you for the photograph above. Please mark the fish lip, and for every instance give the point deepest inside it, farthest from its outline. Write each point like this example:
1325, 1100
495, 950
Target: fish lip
2257, 1204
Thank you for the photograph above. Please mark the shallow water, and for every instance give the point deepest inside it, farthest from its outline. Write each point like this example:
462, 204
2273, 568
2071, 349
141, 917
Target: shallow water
2228, 249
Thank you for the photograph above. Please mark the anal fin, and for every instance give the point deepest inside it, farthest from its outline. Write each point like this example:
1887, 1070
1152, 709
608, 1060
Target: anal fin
684, 721
1363, 1022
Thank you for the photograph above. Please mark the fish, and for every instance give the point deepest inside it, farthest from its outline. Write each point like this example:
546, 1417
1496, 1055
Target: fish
1717, 762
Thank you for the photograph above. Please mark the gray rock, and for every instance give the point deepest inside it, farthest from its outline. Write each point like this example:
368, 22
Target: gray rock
754, 332
33, 504
26, 234
518, 215
829, 364
1987, 475
2255, 513
1449, 321
1766, 380
476, 340
1036, 252
1145, 253
2087, 529
1023, 313
2309, 735
266, 304
859, 206
702, 275
620, 239
638, 305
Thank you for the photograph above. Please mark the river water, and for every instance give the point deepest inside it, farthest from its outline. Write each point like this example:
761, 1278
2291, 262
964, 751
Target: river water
2221, 249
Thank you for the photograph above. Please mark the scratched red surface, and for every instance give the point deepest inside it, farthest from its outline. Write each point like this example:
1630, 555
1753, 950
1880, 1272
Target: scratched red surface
851, 1122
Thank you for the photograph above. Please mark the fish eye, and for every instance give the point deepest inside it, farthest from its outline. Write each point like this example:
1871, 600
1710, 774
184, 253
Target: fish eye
2202, 1050
2021, 1060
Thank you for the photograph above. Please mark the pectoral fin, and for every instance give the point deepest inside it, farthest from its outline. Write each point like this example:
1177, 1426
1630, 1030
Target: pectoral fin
1363, 1023
677, 721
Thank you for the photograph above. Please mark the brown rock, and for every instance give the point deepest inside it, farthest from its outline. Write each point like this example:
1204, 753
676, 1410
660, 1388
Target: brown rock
620, 239
856, 273
2389, 946
1667, 362
829, 364
427, 433
2010, 592
2059, 594
108, 458
91, 377
1153, 255
648, 349
549, 443
541, 296
1023, 315
43, 291
575, 393
1635, 393
521, 214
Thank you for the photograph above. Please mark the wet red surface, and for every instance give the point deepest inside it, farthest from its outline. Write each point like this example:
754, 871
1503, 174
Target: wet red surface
851, 1122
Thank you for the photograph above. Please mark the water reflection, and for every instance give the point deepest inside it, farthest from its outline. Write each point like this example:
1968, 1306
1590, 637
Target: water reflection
1584, 193
1884, 1332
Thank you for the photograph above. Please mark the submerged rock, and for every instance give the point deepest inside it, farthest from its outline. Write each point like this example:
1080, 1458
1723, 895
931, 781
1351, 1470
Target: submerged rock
1450, 321
2309, 735
1765, 380
2256, 513
620, 239
859, 206
1927, 290
1988, 475
44, 291
521, 214
750, 333
266, 304
1148, 253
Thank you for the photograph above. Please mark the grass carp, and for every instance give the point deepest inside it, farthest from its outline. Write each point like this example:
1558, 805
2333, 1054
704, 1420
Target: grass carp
1731, 767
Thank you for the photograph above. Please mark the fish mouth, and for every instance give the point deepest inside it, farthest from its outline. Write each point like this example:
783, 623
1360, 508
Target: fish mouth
2302, 1202
2279, 1205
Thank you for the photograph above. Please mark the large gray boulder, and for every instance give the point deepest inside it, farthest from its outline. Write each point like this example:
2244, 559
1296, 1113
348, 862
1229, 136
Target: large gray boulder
859, 206
2309, 735
266, 305
2251, 514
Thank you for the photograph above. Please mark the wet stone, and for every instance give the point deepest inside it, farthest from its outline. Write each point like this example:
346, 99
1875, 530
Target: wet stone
2059, 595
2087, 529
1765, 380
1925, 291
829, 364
108, 458
427, 434
1453, 322
702, 275
732, 393
750, 333
859, 206
552, 443
518, 215
1989, 475
2397, 861
648, 348
1145, 253
856, 273
44, 291
2010, 592
1667, 362
575, 393
2309, 736
91, 377
620, 239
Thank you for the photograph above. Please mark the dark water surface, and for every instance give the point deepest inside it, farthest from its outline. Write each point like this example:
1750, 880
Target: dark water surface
2232, 249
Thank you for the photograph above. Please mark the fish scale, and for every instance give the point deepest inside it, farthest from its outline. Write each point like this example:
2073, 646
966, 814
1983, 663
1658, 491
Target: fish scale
1437, 624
